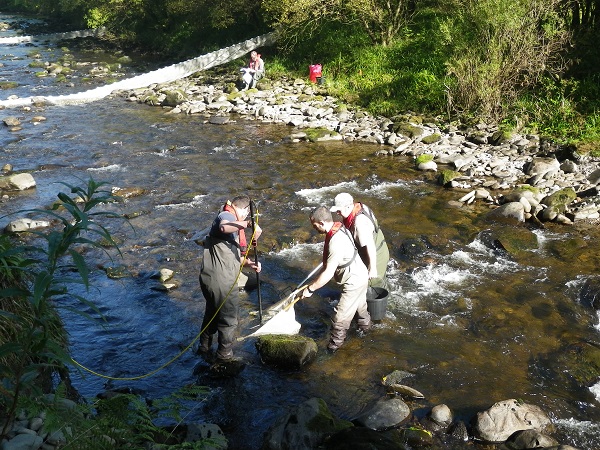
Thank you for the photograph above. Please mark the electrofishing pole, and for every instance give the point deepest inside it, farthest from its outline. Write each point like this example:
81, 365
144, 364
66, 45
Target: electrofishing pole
256, 260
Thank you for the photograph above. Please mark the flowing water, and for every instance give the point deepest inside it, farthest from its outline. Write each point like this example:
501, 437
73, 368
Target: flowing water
474, 326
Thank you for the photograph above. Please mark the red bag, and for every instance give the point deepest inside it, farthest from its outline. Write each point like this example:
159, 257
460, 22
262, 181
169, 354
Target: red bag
314, 72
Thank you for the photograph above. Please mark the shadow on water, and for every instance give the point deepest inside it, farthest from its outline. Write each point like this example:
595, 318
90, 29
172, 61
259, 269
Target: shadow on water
473, 325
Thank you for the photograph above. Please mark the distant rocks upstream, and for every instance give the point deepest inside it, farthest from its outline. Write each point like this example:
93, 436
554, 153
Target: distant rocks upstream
523, 177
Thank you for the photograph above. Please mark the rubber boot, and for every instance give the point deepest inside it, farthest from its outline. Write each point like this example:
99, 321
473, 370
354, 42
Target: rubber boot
364, 325
204, 348
225, 348
338, 336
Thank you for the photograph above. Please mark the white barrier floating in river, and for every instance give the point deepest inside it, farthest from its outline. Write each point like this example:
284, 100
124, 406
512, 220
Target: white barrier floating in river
164, 75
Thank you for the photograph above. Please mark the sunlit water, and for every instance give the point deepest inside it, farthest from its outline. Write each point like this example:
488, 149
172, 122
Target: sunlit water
474, 326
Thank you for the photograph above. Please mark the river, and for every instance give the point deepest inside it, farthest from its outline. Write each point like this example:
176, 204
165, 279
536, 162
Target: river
472, 325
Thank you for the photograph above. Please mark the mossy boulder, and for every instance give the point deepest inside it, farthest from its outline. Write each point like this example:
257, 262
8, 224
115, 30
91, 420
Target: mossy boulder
578, 364
174, 98
233, 96
559, 200
408, 130
515, 241
151, 100
423, 158
8, 84
321, 134
446, 176
286, 351
431, 139
500, 137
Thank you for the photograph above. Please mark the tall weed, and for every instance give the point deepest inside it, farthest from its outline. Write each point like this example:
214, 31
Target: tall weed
501, 48
32, 276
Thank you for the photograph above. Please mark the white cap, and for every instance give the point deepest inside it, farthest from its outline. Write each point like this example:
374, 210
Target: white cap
341, 200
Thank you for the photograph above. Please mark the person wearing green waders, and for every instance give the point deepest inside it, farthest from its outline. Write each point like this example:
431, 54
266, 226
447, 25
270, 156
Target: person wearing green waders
369, 239
224, 247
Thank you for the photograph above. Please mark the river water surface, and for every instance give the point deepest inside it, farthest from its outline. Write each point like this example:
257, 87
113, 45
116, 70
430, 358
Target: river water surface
472, 325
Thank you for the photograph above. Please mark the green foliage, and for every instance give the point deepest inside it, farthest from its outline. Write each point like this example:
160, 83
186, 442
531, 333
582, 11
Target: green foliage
381, 20
567, 109
33, 337
32, 280
500, 48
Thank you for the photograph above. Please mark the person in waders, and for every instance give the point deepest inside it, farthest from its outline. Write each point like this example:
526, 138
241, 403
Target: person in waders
341, 262
367, 234
223, 249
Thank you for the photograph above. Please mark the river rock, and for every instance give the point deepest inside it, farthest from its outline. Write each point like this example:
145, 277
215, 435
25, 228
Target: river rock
525, 439
594, 177
23, 442
24, 224
385, 414
304, 427
512, 212
541, 168
219, 120
559, 200
504, 418
513, 240
442, 415
11, 121
590, 293
428, 166
17, 182
165, 275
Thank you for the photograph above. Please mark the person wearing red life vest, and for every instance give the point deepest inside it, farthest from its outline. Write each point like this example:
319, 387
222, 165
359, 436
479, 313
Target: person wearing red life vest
341, 262
367, 234
254, 72
224, 247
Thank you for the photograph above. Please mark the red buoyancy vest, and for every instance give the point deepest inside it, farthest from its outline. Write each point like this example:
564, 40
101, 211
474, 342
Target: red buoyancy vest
229, 208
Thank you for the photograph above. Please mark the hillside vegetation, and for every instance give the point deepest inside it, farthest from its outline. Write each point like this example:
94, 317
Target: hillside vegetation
529, 65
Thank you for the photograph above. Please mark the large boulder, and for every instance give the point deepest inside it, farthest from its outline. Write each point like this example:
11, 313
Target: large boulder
511, 213
515, 241
304, 427
504, 418
385, 414
542, 168
559, 200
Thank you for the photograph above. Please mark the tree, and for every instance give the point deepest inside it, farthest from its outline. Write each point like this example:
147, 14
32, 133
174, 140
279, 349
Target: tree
382, 20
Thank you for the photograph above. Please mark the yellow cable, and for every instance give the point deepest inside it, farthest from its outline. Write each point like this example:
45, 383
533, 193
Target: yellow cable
193, 340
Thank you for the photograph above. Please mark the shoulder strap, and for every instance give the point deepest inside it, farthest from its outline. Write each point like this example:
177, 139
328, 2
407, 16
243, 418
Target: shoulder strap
369, 213
347, 233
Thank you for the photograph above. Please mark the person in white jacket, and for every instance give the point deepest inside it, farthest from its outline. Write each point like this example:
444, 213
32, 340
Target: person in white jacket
254, 72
